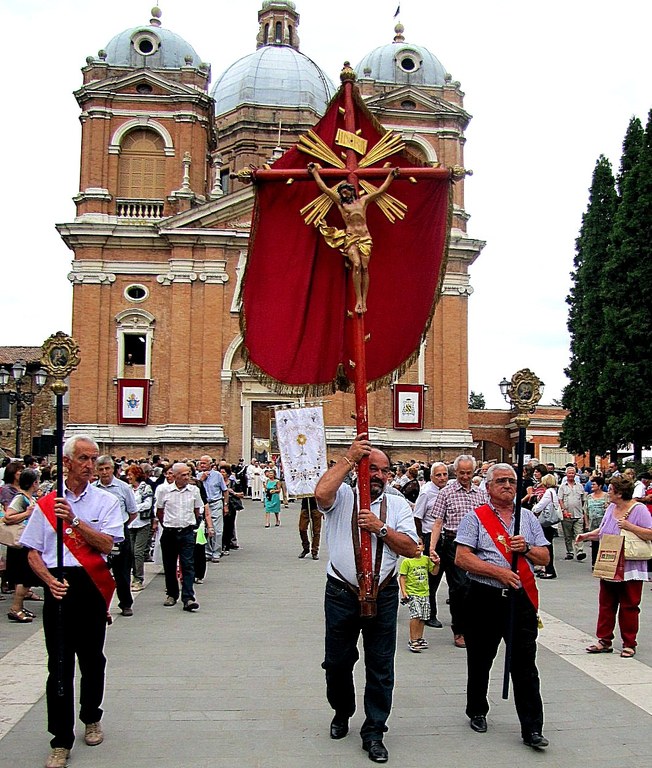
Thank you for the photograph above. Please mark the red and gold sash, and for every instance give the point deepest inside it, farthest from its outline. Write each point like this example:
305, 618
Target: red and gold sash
91, 560
501, 539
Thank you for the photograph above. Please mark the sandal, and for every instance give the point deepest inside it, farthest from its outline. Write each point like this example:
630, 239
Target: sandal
20, 616
33, 596
600, 647
628, 653
29, 613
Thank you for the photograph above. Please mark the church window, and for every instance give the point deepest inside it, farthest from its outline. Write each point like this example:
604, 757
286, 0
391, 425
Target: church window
225, 180
279, 32
143, 88
408, 104
290, 34
266, 34
141, 170
408, 61
134, 349
145, 42
135, 337
136, 292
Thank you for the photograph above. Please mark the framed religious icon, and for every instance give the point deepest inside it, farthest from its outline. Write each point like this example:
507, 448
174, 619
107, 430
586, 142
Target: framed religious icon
408, 406
133, 401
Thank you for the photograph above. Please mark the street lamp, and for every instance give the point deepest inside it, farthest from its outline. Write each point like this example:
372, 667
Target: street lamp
523, 393
22, 400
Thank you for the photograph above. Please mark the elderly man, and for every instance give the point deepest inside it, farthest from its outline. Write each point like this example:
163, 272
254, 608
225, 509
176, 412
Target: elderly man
92, 524
571, 500
424, 520
121, 558
391, 525
452, 503
179, 512
217, 498
486, 544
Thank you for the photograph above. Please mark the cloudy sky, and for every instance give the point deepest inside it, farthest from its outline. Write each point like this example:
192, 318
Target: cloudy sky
550, 86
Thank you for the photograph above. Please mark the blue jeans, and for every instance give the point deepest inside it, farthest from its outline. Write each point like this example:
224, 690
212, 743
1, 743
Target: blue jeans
179, 543
343, 627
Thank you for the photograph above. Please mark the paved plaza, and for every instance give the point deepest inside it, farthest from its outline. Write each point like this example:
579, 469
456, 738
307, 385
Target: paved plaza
240, 682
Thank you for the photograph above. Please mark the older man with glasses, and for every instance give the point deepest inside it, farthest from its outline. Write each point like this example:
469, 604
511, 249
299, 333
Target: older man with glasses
501, 599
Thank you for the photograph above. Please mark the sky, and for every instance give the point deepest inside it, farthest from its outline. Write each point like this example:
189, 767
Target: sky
551, 86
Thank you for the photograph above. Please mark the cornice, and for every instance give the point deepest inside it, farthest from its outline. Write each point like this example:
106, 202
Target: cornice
98, 272
152, 433
398, 438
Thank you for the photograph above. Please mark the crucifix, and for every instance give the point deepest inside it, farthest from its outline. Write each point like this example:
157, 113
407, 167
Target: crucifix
353, 171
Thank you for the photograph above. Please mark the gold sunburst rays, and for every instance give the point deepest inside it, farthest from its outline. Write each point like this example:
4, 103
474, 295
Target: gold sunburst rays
389, 144
313, 145
389, 205
315, 212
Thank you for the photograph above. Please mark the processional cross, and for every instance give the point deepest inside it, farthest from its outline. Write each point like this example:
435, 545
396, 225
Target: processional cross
355, 242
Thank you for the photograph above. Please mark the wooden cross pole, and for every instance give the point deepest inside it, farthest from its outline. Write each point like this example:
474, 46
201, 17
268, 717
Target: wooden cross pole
354, 174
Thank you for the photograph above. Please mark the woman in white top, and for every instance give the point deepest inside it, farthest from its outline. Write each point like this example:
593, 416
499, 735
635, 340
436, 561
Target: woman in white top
549, 482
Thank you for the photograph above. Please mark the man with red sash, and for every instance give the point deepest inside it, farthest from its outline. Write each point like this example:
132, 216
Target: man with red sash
92, 523
485, 546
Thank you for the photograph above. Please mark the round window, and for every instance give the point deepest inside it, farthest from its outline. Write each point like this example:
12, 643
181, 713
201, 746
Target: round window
408, 61
143, 88
408, 104
145, 43
136, 292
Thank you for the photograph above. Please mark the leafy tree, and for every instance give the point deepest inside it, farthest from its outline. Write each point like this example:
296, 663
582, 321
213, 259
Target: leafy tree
477, 400
585, 428
626, 382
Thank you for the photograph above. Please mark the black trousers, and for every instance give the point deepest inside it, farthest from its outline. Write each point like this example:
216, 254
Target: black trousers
343, 627
229, 530
486, 626
434, 580
121, 568
84, 629
458, 585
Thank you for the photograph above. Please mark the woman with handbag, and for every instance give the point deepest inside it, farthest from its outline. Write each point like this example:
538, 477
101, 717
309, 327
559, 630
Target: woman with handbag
18, 570
548, 511
622, 595
140, 528
595, 505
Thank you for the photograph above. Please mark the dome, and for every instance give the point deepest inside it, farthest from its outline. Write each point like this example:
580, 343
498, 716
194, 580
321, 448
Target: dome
151, 46
275, 75
402, 63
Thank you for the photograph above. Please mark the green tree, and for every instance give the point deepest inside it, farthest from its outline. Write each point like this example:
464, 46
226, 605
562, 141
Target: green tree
585, 428
626, 381
632, 144
477, 400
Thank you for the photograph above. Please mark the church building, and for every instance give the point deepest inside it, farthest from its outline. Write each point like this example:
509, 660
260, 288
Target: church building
161, 232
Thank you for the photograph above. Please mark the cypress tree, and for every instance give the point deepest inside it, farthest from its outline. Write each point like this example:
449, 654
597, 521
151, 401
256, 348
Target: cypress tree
585, 428
626, 381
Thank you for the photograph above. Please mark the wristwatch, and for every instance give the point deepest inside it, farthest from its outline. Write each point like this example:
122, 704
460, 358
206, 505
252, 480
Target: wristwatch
527, 548
382, 532
75, 521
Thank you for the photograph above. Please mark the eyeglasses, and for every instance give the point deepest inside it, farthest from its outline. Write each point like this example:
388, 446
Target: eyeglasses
505, 481
382, 470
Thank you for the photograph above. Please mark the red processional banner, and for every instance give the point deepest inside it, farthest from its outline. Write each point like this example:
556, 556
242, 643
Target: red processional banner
294, 291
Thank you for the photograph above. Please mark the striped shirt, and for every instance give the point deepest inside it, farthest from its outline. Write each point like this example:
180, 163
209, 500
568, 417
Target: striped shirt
424, 506
454, 501
472, 533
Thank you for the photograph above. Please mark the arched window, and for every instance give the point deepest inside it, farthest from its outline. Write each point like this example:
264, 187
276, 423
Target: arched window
290, 34
266, 34
141, 171
279, 32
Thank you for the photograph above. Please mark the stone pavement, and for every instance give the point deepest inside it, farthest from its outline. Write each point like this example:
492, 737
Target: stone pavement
240, 681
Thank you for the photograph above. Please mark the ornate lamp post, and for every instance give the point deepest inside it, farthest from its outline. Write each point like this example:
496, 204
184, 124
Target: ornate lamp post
22, 400
523, 393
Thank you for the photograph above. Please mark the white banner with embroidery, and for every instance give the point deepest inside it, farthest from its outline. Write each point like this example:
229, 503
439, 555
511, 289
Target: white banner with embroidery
302, 443
132, 402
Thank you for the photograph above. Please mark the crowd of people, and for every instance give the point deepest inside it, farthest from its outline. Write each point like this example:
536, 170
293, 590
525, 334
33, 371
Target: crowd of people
424, 522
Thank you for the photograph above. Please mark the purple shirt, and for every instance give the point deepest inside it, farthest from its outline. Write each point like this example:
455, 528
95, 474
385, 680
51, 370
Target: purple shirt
635, 570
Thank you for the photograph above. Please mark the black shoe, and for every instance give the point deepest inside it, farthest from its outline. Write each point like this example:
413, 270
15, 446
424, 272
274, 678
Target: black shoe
376, 750
479, 724
581, 556
535, 740
434, 623
339, 727
304, 553
569, 556
191, 605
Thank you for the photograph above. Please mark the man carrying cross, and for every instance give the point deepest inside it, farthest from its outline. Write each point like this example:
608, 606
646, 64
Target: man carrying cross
354, 241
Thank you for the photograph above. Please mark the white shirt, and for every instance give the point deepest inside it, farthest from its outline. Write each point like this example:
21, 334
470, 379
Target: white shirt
340, 540
99, 509
179, 505
424, 505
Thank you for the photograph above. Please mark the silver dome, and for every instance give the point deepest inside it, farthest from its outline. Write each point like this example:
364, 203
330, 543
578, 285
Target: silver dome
402, 63
275, 75
150, 46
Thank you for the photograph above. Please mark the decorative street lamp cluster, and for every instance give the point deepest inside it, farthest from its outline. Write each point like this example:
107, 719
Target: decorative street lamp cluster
21, 399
